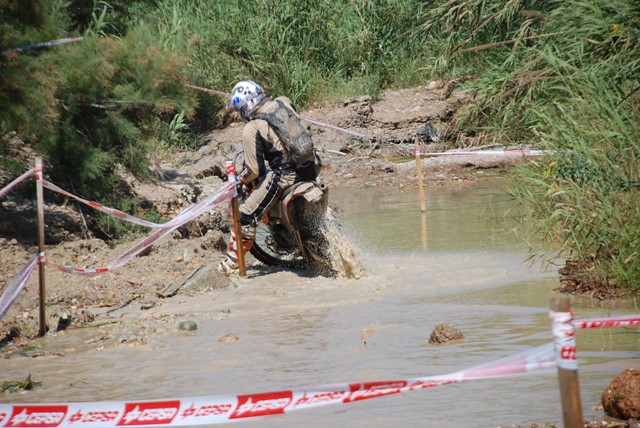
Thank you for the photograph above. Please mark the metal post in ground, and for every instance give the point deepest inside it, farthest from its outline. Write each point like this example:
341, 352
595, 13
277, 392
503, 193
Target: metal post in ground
565, 349
41, 261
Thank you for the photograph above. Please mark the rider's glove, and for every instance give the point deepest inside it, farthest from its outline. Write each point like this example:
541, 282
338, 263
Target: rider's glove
243, 190
240, 191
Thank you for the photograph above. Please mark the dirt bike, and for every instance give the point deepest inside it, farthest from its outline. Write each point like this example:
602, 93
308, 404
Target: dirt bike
292, 233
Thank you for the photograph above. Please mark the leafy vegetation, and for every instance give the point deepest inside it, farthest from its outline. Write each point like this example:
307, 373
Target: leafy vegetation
564, 74
98, 108
13, 386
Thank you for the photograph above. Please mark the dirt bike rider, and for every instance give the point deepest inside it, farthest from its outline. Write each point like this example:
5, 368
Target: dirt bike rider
262, 146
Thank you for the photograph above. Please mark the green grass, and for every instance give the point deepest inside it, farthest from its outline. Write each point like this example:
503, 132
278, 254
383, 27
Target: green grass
13, 386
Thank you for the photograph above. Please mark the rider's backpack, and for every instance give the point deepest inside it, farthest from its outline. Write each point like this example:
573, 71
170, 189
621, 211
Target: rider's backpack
297, 141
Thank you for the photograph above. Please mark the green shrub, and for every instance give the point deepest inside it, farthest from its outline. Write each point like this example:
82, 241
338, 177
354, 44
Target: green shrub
584, 198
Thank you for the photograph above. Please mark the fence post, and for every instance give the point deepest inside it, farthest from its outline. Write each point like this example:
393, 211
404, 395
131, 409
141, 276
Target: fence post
41, 260
423, 209
565, 349
237, 228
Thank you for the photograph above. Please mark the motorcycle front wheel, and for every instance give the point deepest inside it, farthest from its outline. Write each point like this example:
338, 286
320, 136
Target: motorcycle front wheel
266, 249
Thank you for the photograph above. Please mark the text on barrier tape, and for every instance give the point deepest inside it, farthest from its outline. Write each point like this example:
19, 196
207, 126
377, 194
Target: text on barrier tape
564, 339
620, 321
224, 409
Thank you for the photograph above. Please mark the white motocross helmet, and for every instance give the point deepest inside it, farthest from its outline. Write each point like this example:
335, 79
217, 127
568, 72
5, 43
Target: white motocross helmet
245, 96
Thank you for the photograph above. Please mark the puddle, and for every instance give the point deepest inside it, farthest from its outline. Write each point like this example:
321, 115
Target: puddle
298, 331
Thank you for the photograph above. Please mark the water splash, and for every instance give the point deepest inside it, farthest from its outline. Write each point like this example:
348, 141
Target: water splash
345, 258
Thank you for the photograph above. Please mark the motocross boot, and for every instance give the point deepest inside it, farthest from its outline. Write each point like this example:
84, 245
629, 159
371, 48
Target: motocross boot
229, 266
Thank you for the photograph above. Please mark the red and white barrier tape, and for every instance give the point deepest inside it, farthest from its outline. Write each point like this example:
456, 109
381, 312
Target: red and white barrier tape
337, 128
621, 321
368, 137
488, 153
564, 338
14, 288
210, 91
231, 172
110, 211
11, 185
226, 192
225, 409
306, 119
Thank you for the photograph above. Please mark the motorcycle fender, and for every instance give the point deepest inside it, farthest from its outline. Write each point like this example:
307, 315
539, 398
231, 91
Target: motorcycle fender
314, 195
300, 189
310, 191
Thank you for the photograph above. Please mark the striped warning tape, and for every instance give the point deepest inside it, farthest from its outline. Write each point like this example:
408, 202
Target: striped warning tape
369, 137
228, 408
488, 153
14, 288
621, 321
225, 409
15, 182
225, 193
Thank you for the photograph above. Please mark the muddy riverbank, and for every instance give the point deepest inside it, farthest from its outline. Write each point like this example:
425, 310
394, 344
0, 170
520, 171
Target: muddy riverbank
127, 314
381, 157
278, 329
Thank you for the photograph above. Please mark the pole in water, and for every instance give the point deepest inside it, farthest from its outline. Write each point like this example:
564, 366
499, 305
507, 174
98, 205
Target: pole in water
42, 293
423, 208
565, 349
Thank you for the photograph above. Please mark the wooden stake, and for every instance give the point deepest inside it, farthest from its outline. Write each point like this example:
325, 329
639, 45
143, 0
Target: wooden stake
423, 208
567, 370
41, 261
419, 174
424, 231
235, 209
235, 214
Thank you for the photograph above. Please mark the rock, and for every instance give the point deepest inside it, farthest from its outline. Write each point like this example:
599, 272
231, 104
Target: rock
224, 314
621, 399
434, 84
428, 133
201, 279
82, 316
129, 338
189, 325
443, 333
148, 304
63, 322
228, 338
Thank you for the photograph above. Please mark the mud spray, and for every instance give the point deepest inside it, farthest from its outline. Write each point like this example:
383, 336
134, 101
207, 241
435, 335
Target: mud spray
345, 258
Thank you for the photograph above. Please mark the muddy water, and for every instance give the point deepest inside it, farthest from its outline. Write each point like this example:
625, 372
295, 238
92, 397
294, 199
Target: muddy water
297, 331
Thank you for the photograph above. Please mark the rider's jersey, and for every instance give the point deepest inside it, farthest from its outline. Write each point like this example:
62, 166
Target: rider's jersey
262, 147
